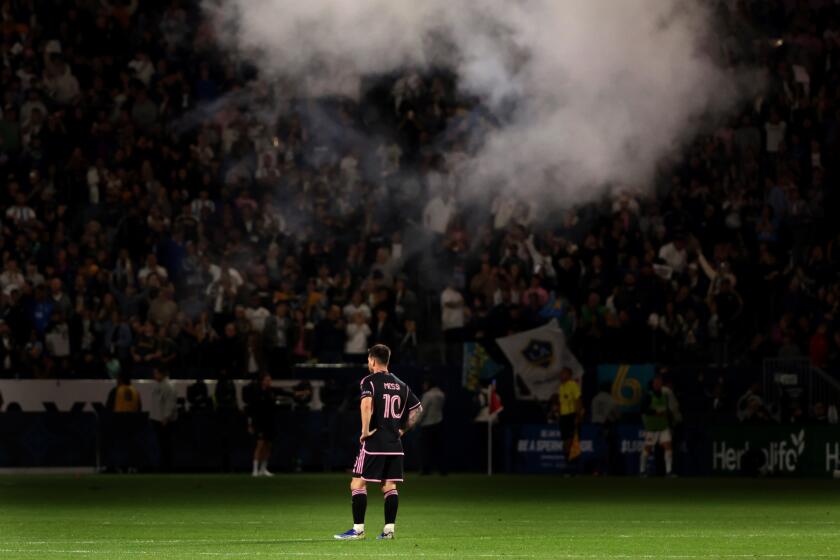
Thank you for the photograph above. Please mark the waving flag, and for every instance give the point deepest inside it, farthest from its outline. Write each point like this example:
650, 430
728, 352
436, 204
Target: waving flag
478, 366
537, 357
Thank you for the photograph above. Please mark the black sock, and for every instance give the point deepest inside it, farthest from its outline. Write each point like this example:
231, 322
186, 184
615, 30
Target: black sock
392, 500
359, 506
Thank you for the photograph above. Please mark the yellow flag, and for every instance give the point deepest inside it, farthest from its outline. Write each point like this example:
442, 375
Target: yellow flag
574, 452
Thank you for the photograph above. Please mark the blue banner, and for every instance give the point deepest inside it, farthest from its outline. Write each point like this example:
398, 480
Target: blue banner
538, 449
629, 383
630, 441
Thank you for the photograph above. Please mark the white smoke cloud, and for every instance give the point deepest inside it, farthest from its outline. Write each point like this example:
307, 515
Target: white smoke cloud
602, 90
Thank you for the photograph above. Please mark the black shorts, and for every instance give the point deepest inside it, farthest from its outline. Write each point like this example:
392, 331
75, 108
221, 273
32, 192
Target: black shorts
265, 430
378, 468
568, 426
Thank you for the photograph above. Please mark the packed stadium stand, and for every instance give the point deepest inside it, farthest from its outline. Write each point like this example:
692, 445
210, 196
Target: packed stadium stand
159, 206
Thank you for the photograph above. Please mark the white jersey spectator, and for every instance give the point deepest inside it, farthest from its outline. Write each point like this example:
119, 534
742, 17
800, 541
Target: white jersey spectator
11, 277
438, 213
358, 333
152, 268
201, 203
432, 404
164, 404
503, 210
60, 83
256, 316
20, 213
57, 340
674, 255
452, 309
605, 409
235, 278
142, 67
355, 306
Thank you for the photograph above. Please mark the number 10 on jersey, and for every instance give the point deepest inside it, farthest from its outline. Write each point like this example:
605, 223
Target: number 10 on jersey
392, 406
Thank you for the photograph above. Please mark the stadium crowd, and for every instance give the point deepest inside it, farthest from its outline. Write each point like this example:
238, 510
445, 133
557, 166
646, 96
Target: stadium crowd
152, 213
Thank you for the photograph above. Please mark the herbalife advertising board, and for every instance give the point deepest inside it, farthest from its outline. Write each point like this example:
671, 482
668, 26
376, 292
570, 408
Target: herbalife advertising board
776, 450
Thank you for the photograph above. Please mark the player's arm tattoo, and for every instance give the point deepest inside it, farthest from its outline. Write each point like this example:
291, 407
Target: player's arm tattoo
413, 418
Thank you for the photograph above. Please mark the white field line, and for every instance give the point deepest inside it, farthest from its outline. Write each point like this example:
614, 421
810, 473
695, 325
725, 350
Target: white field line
743, 521
559, 537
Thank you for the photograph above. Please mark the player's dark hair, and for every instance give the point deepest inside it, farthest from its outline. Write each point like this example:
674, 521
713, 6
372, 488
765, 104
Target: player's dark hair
380, 353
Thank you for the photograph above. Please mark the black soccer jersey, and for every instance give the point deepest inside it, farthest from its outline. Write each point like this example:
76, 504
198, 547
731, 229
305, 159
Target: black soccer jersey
392, 399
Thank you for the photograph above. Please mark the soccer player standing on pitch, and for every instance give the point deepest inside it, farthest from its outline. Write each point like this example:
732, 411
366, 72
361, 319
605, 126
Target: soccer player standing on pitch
385, 400
656, 417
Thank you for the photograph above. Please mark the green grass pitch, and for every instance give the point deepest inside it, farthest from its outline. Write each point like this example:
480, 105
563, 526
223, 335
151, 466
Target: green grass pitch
460, 516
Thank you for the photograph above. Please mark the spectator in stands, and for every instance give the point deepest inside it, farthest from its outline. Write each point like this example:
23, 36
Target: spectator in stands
188, 203
122, 427
452, 319
301, 336
163, 412
405, 301
383, 331
276, 335
408, 349
232, 349
198, 397
432, 435
20, 214
57, 340
146, 351
11, 277
151, 270
8, 352
228, 419
358, 333
299, 429
257, 314
357, 305
604, 408
117, 336
61, 301
439, 212
330, 336
606, 412
162, 308
750, 407
262, 422
675, 255
124, 397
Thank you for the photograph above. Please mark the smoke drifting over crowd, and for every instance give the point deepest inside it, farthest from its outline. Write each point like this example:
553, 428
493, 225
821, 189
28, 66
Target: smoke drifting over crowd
594, 92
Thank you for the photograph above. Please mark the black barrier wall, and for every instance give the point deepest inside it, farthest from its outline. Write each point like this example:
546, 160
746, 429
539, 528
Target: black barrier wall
327, 441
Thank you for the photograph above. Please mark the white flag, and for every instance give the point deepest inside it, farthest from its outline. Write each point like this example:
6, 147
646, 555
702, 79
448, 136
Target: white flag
537, 357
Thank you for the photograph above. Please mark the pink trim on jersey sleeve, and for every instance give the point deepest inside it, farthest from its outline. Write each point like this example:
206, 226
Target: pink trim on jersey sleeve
384, 453
364, 392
